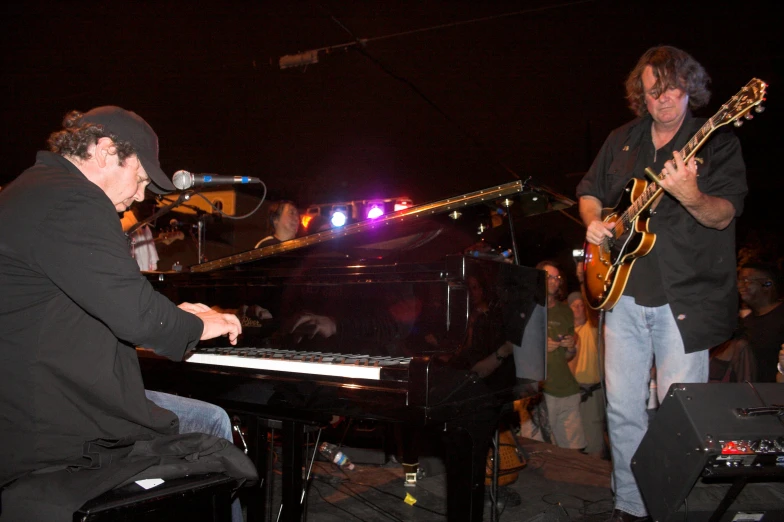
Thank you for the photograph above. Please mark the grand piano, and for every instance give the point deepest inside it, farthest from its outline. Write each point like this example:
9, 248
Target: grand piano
411, 345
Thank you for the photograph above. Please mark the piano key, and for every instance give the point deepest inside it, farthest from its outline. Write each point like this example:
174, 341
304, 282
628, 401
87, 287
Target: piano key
337, 365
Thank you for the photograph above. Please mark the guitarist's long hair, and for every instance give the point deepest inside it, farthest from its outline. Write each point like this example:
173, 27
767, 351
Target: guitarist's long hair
672, 67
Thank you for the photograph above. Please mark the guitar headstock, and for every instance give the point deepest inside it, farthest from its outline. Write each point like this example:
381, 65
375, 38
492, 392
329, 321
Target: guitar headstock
739, 106
167, 238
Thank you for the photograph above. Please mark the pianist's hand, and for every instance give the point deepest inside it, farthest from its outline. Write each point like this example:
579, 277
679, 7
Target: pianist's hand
193, 308
319, 324
215, 323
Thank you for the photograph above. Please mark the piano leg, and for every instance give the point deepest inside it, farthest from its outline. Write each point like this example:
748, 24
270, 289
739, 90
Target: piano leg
258, 501
293, 439
466, 446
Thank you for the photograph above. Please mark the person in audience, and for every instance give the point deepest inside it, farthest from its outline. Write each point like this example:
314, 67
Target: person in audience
586, 367
284, 220
561, 390
142, 242
760, 287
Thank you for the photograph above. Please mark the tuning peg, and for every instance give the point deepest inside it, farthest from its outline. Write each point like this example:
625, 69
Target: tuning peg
748, 116
738, 123
759, 108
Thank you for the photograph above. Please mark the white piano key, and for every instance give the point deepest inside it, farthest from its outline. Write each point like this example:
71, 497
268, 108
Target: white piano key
357, 367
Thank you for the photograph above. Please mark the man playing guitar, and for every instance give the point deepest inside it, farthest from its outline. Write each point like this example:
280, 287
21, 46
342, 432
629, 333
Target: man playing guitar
680, 298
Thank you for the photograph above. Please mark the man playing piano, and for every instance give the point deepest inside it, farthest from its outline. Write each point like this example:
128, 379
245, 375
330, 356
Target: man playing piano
75, 306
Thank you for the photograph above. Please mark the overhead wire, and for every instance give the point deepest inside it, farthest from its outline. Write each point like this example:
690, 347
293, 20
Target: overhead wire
386, 69
360, 44
362, 41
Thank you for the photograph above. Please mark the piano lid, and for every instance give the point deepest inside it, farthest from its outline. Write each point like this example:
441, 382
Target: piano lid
406, 230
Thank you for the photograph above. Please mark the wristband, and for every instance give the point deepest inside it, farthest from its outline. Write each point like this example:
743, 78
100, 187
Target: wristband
778, 366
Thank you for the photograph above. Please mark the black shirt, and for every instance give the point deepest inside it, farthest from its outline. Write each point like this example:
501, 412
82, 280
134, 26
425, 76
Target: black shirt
696, 263
74, 306
268, 241
765, 334
645, 279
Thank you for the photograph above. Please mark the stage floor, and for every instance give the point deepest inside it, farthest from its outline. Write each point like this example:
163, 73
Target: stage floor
564, 484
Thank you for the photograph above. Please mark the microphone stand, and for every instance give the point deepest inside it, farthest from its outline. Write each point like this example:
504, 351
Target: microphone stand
182, 198
202, 232
507, 203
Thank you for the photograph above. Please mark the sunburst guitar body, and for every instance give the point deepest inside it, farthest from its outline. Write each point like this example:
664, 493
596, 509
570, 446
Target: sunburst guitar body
608, 265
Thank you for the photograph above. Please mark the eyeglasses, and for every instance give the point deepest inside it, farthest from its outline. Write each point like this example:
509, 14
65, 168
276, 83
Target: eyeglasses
554, 278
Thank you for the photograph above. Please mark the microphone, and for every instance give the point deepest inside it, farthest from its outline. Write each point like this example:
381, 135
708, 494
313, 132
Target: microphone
183, 180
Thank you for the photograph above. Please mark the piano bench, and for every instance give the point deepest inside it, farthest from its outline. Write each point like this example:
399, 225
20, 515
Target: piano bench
198, 498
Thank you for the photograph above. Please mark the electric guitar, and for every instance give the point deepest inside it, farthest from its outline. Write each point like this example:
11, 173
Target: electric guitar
607, 266
167, 238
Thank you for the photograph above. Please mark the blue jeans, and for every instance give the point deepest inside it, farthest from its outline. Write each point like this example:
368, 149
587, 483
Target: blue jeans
635, 337
198, 417
195, 416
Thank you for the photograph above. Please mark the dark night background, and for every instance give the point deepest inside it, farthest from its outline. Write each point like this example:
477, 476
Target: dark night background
427, 114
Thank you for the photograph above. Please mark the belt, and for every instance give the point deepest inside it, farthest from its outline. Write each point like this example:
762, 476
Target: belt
586, 390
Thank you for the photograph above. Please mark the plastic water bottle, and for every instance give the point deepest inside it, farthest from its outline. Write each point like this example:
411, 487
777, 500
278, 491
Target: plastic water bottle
333, 453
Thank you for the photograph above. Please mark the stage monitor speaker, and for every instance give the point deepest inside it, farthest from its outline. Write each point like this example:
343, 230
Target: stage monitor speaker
704, 432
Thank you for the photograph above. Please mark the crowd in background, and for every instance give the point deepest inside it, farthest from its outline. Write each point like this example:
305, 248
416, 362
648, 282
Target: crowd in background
754, 353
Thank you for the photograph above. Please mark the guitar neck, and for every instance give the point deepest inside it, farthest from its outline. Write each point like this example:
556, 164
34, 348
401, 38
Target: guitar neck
653, 190
750, 96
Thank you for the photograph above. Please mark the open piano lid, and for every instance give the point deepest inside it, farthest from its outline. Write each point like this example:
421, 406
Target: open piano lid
406, 230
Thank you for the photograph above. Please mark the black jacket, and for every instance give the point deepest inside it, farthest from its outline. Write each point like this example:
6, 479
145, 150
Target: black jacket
74, 305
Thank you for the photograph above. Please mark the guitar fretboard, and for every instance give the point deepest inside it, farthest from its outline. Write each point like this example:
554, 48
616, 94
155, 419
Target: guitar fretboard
653, 190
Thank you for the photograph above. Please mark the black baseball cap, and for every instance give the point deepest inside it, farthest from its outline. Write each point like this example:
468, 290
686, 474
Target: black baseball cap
129, 126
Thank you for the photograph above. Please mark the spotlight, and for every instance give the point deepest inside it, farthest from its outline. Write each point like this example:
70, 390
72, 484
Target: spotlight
375, 211
402, 204
309, 215
339, 216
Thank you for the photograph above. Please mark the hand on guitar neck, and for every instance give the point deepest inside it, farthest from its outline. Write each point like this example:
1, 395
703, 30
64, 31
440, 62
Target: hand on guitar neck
679, 179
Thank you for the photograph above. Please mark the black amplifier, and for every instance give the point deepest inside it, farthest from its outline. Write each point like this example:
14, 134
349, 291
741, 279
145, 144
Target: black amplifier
728, 432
